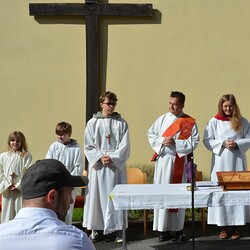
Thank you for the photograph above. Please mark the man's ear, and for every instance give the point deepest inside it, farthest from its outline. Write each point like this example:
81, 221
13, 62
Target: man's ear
52, 196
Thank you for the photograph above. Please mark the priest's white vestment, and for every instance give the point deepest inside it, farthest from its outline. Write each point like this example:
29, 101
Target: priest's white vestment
223, 159
104, 136
165, 220
12, 168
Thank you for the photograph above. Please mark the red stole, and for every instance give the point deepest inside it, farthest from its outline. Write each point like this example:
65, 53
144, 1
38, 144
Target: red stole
221, 117
185, 125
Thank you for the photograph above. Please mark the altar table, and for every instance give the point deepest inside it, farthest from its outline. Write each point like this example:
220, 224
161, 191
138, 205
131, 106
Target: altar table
163, 196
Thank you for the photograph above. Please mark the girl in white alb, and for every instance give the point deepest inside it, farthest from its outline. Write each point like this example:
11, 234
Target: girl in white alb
227, 136
13, 164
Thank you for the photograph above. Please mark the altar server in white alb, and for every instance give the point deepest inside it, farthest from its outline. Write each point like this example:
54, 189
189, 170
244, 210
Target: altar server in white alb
227, 136
13, 165
173, 137
107, 148
67, 151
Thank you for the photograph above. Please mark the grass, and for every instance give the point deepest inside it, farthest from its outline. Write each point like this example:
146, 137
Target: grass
77, 215
197, 214
137, 215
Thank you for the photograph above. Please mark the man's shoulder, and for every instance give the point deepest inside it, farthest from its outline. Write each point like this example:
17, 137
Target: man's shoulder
165, 115
43, 225
67, 230
188, 118
50, 233
62, 240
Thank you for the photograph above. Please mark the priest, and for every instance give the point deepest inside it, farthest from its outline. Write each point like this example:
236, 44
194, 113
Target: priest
173, 137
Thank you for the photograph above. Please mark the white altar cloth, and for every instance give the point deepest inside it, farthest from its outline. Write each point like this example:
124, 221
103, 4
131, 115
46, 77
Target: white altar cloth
152, 196
157, 196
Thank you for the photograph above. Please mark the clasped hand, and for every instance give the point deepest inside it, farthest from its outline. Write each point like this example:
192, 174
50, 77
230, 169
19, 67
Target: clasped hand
230, 144
168, 141
106, 160
12, 187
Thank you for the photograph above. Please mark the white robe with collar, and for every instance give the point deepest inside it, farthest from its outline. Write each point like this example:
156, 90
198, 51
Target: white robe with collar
164, 166
102, 179
216, 132
12, 162
71, 156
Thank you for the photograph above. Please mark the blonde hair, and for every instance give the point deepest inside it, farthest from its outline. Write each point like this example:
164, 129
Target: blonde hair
17, 135
236, 115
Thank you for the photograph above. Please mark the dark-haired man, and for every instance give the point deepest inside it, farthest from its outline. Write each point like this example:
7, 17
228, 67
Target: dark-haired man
46, 188
173, 137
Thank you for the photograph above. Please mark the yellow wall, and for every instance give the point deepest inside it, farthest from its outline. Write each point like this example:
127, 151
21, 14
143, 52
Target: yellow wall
198, 47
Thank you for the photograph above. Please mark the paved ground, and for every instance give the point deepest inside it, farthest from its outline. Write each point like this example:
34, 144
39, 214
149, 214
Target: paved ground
137, 241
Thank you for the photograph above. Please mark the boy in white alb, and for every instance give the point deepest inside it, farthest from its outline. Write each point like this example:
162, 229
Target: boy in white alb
107, 148
67, 151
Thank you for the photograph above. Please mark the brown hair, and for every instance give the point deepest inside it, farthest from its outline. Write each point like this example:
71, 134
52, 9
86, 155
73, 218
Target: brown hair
17, 135
111, 96
63, 128
236, 115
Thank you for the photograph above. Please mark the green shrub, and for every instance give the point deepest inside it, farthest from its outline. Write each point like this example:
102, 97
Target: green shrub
77, 215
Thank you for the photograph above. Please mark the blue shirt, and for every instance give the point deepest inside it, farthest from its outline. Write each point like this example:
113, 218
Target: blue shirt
40, 229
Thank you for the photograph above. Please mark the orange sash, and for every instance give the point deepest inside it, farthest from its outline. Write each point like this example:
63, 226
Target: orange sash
185, 125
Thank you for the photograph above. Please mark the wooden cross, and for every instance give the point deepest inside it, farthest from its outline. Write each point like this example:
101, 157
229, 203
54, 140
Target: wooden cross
91, 10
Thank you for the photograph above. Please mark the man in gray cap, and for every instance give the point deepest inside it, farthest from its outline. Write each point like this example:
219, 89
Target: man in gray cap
46, 189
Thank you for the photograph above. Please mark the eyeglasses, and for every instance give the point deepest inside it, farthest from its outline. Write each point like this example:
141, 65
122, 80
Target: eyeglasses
110, 103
